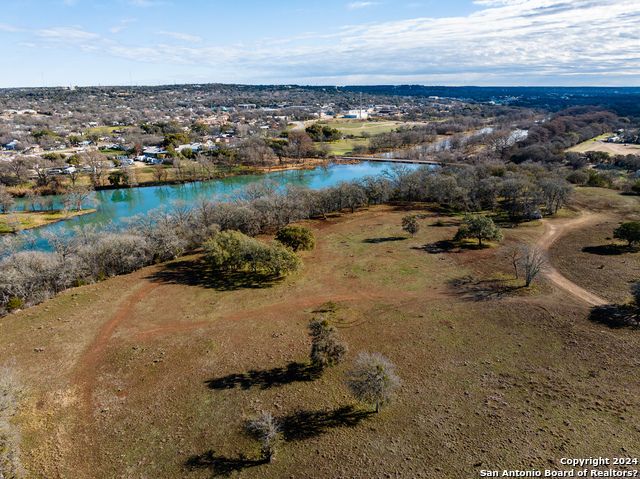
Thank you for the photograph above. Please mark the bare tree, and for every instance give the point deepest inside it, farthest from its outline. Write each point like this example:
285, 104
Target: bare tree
160, 172
6, 200
41, 167
99, 166
512, 253
19, 166
532, 262
372, 379
269, 431
31, 200
79, 195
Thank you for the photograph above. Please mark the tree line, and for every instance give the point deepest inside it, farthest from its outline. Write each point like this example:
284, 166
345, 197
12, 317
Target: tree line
89, 254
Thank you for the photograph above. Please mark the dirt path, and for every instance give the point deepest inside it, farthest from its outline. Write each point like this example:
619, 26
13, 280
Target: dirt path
552, 232
84, 378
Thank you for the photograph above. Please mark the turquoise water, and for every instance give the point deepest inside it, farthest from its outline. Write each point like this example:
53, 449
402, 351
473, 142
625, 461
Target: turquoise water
114, 205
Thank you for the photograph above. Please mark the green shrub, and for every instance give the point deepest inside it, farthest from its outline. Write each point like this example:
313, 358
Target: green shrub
296, 237
14, 303
596, 179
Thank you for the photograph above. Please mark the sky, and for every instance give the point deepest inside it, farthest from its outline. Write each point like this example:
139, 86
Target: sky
428, 42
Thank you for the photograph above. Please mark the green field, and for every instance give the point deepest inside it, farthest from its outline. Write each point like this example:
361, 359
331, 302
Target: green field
357, 127
344, 147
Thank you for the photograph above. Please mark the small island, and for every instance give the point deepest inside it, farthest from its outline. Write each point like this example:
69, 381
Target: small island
23, 220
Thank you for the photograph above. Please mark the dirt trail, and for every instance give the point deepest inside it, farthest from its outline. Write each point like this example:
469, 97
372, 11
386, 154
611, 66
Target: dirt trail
89, 362
552, 232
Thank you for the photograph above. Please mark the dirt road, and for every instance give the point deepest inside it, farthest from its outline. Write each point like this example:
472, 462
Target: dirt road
552, 232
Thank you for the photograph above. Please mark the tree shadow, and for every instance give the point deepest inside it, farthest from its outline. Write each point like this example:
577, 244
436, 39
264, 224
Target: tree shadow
470, 289
609, 249
267, 378
192, 272
443, 246
614, 316
384, 240
302, 424
221, 465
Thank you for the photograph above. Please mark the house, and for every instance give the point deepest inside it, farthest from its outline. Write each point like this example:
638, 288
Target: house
11, 145
32, 149
153, 151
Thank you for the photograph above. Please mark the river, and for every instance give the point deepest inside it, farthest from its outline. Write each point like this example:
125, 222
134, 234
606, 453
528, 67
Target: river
113, 205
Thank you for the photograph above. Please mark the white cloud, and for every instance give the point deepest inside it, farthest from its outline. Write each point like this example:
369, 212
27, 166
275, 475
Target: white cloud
117, 29
70, 34
355, 5
498, 3
515, 42
146, 3
9, 28
185, 37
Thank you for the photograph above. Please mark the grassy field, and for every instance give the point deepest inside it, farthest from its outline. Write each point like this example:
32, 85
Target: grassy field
106, 130
343, 147
153, 374
351, 127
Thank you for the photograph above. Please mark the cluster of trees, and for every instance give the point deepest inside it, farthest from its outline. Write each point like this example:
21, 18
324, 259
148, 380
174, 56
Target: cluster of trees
320, 133
547, 141
233, 251
371, 379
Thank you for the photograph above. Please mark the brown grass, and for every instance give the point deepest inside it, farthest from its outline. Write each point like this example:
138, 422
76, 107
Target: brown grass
137, 380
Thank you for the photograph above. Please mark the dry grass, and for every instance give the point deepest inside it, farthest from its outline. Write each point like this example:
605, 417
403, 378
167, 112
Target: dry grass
493, 376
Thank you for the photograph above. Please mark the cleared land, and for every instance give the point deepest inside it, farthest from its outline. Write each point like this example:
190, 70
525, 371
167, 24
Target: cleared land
152, 374
597, 144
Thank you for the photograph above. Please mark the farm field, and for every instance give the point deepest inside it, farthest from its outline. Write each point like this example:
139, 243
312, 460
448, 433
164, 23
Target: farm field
153, 374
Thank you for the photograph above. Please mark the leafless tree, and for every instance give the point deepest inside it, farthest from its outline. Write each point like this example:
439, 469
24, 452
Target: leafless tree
269, 432
372, 379
79, 195
99, 166
533, 261
512, 253
19, 167
6, 200
31, 200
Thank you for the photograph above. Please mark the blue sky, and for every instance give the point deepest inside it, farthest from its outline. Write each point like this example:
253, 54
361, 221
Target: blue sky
432, 42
